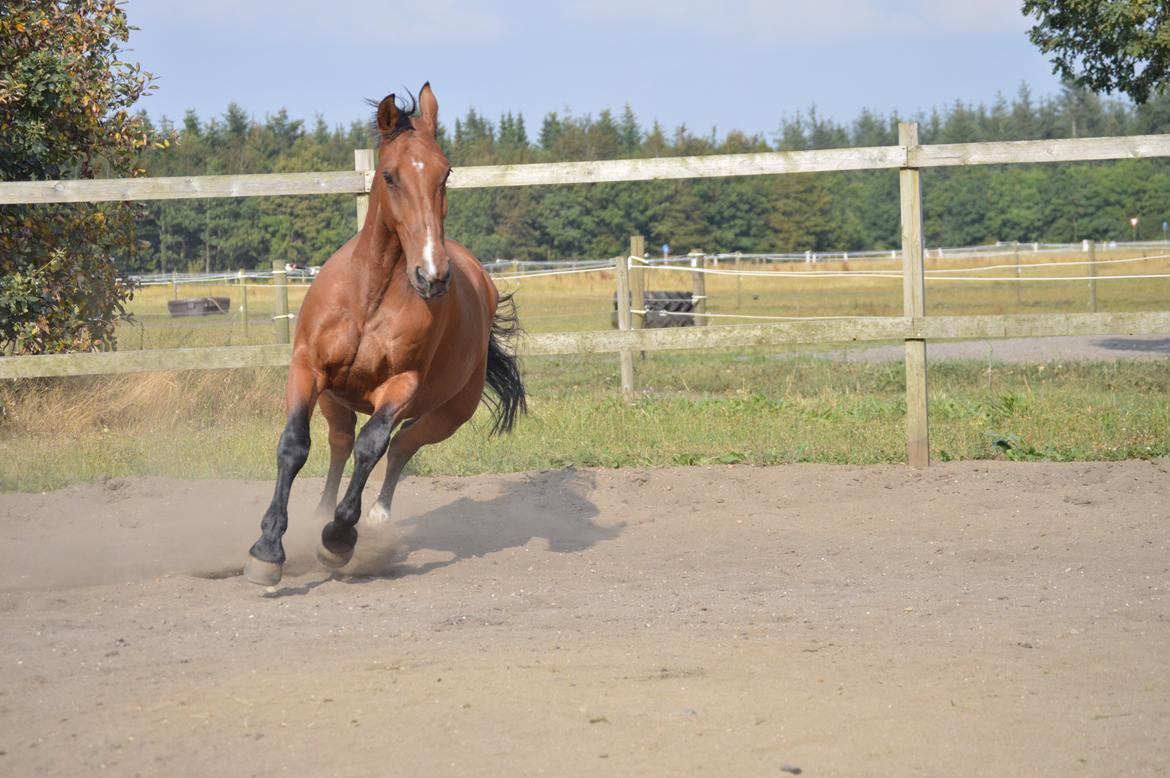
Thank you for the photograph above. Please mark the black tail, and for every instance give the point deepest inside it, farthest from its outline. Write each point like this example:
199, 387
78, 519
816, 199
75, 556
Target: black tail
503, 368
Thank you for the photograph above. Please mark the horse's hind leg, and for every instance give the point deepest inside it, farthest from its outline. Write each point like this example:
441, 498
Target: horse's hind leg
342, 423
436, 426
266, 557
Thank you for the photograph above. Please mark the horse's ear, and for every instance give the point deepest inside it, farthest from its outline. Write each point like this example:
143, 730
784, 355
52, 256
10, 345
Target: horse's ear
387, 114
428, 108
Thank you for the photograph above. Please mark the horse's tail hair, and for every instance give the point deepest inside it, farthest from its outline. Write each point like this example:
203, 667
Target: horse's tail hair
507, 397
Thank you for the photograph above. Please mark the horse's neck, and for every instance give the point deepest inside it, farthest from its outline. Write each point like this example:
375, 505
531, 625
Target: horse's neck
379, 254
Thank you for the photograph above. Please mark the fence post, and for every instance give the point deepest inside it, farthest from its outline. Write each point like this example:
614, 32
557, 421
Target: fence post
738, 279
637, 281
175, 284
244, 301
626, 356
1093, 276
280, 288
363, 160
1016, 253
699, 287
913, 302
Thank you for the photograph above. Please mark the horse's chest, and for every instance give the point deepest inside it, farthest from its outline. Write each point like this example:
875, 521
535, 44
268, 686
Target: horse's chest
368, 356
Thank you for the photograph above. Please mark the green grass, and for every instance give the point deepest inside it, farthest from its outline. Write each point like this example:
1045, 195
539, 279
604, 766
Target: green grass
755, 407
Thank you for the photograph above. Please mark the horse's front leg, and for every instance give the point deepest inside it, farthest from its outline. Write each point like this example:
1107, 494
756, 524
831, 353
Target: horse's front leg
266, 557
340, 535
433, 427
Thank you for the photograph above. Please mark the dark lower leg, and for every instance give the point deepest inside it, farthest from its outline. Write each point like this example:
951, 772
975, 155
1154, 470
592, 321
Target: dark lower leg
291, 453
339, 535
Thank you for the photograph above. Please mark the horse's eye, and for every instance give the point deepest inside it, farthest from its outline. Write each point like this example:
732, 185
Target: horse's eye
388, 179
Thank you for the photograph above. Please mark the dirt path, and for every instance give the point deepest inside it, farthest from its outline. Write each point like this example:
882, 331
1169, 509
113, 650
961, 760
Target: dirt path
1020, 349
975, 619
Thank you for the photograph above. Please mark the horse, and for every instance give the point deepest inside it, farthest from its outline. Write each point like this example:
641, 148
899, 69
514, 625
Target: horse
400, 324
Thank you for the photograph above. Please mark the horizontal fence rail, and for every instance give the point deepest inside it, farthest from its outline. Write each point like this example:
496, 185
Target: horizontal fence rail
652, 169
182, 187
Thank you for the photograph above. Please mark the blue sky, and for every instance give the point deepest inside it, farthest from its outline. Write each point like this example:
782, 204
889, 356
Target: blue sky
730, 64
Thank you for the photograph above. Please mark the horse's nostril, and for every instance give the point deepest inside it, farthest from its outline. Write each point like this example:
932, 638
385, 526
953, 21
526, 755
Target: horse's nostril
428, 288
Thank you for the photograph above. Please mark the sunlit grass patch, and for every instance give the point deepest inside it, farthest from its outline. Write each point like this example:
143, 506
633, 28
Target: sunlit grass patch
756, 407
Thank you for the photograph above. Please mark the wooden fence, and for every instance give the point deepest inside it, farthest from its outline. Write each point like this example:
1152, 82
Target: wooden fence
913, 327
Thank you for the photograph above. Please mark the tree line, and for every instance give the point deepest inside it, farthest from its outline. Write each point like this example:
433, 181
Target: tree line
819, 212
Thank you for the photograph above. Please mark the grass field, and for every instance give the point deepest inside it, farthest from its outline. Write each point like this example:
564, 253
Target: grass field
695, 408
584, 302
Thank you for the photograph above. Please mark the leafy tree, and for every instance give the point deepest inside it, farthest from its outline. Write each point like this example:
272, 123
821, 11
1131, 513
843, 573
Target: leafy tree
65, 95
1106, 45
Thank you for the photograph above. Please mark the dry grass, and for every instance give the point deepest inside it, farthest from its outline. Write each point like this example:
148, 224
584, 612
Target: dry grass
583, 302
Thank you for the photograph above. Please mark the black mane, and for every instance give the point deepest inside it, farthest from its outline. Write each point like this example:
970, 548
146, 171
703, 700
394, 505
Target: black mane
402, 123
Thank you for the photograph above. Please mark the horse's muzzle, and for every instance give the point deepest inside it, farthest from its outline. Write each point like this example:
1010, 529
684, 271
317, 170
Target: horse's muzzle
426, 288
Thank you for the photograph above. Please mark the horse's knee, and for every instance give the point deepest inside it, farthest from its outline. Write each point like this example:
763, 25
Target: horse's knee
372, 441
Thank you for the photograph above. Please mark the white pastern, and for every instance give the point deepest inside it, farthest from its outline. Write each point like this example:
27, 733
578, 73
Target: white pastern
377, 514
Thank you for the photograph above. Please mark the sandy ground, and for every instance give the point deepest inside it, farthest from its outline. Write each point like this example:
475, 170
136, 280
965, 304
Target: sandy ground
977, 618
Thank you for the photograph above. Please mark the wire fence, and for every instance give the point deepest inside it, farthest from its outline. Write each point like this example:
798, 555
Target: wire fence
526, 268
579, 295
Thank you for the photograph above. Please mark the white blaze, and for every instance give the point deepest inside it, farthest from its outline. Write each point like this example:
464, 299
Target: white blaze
428, 252
428, 255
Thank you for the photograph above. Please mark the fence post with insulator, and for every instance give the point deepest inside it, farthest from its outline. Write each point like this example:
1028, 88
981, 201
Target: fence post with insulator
1093, 276
280, 287
699, 286
638, 282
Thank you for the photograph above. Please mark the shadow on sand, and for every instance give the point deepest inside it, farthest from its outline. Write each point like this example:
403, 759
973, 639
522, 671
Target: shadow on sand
551, 506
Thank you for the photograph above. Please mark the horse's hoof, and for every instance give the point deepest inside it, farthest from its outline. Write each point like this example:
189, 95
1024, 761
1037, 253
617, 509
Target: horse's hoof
332, 559
377, 514
262, 573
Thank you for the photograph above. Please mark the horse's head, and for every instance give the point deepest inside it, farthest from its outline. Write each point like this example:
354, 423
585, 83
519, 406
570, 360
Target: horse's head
411, 187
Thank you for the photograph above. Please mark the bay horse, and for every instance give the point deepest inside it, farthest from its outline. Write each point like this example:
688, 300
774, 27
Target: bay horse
400, 324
